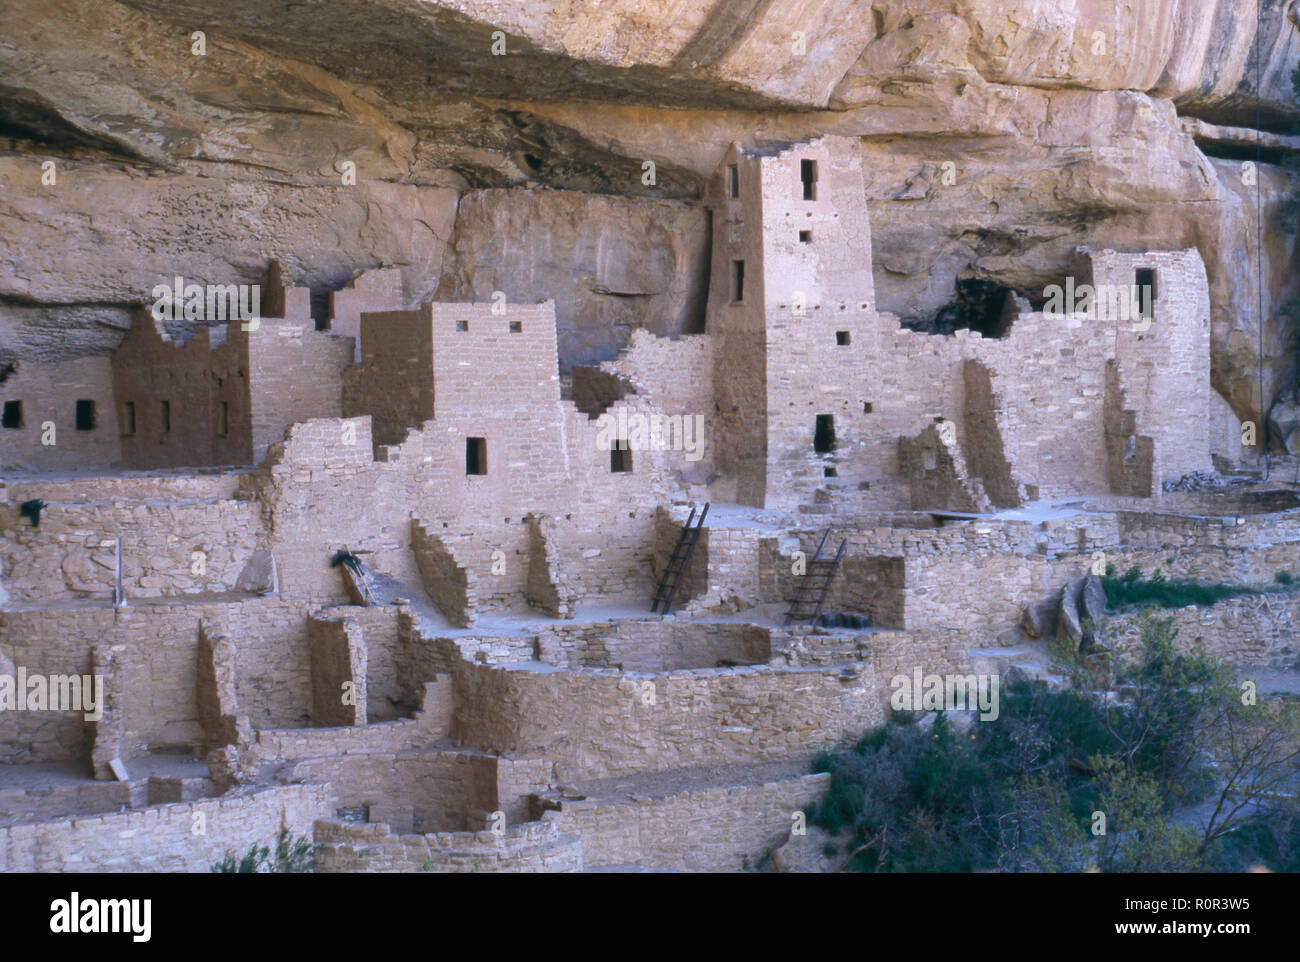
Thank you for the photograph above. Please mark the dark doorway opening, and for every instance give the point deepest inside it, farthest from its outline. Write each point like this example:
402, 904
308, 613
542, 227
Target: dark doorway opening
824, 434
476, 455
620, 457
808, 174
85, 415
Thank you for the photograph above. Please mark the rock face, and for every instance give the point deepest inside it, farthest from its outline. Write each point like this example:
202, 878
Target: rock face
610, 263
998, 136
805, 854
1069, 623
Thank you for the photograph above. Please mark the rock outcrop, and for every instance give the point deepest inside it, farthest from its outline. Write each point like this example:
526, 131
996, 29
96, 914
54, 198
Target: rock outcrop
998, 136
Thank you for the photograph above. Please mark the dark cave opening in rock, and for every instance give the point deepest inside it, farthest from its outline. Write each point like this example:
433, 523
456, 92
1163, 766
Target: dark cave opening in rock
979, 305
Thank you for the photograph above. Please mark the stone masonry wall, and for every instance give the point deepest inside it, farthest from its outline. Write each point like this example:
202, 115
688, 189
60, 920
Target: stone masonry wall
113, 843
167, 549
48, 393
593, 723
711, 830
530, 847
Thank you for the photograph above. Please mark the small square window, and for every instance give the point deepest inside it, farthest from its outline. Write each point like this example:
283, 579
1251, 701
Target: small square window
620, 457
476, 455
842, 338
462, 325
516, 327
128, 418
85, 415
866, 407
829, 473
13, 415
805, 237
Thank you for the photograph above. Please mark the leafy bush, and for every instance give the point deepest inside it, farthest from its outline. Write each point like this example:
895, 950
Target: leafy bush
296, 855
1132, 589
1135, 742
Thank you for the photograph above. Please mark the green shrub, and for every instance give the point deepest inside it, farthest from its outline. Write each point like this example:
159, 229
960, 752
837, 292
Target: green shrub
1284, 578
295, 855
1132, 589
1140, 740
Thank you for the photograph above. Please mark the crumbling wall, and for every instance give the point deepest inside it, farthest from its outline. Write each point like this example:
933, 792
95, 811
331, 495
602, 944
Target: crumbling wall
549, 589
937, 475
1165, 360
1130, 457
594, 389
216, 693
338, 671
676, 377
394, 384
983, 442
106, 732
295, 374
451, 583
177, 390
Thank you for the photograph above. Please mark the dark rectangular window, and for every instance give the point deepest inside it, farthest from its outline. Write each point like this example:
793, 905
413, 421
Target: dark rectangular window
733, 179
128, 418
620, 457
805, 237
476, 455
462, 325
824, 435
737, 282
13, 414
1146, 290
85, 415
167, 417
866, 407
516, 327
223, 420
808, 174
843, 338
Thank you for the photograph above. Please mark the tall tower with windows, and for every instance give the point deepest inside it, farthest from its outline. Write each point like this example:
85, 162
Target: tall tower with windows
792, 313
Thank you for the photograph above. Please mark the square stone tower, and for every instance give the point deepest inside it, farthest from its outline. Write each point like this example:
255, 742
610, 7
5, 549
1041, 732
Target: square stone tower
790, 291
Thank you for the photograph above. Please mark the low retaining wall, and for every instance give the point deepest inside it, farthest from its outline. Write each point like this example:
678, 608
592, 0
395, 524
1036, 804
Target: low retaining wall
1254, 630
725, 829
166, 838
595, 723
528, 847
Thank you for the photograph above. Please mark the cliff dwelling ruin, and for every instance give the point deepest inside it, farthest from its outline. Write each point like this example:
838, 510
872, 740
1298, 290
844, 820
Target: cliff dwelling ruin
448, 577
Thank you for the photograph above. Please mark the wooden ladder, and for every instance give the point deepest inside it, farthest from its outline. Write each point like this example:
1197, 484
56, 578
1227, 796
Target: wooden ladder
817, 579
677, 562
